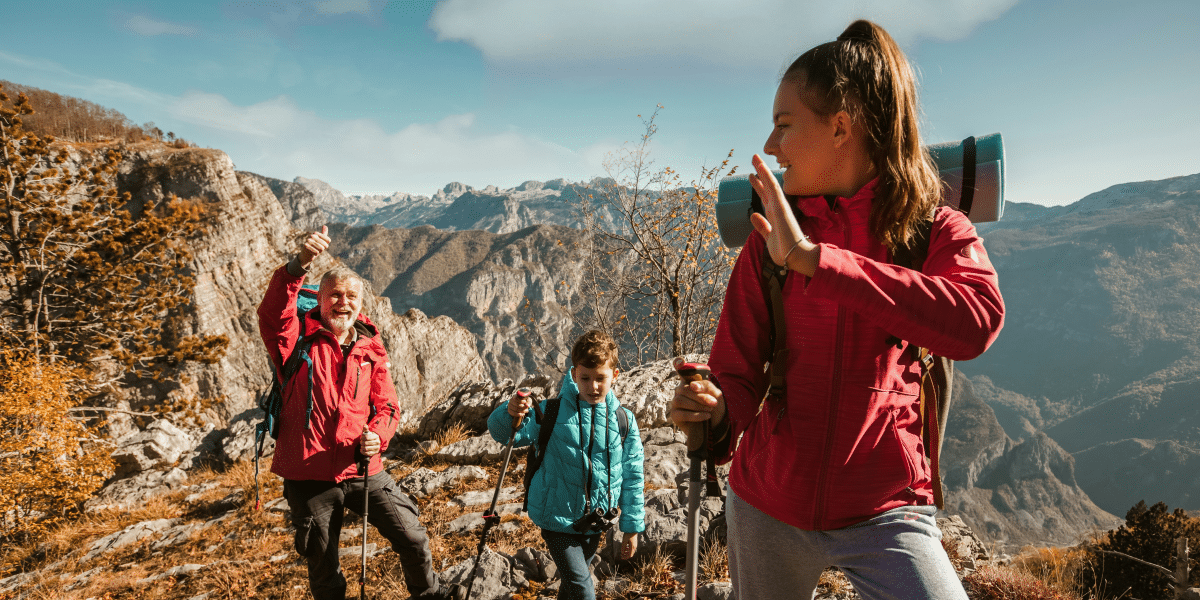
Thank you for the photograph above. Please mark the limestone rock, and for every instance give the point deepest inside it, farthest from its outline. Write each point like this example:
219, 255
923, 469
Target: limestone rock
647, 390
471, 403
126, 536
251, 235
496, 576
160, 445
134, 491
472, 451
423, 482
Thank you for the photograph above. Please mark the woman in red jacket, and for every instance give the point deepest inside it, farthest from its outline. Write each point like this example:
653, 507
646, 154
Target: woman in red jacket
832, 472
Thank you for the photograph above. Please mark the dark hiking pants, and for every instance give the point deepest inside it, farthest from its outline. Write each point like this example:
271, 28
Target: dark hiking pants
317, 510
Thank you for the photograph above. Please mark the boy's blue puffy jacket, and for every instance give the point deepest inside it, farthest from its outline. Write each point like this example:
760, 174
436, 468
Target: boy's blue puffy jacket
556, 492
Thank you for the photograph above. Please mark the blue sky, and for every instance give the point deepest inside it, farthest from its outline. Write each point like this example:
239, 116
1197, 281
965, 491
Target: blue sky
411, 95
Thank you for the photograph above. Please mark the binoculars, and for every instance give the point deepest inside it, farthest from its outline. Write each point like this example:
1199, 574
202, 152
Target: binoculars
971, 170
597, 520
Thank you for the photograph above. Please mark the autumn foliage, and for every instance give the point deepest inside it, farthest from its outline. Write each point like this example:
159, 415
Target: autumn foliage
51, 463
86, 273
77, 120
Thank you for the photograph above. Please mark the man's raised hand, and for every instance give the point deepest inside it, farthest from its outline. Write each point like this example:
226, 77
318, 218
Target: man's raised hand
316, 243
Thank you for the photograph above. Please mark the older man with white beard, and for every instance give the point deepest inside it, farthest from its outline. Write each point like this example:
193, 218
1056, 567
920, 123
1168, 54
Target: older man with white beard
339, 408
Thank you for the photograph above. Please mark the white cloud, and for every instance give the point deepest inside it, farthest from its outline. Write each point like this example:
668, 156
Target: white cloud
626, 35
149, 27
279, 139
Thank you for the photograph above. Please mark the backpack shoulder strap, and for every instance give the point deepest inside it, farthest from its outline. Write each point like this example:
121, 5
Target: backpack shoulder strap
773, 277
937, 372
533, 461
547, 421
623, 422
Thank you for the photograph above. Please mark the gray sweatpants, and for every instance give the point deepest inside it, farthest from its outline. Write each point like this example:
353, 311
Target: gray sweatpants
896, 555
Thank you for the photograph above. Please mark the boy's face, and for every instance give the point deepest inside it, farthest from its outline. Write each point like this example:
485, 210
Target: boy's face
594, 383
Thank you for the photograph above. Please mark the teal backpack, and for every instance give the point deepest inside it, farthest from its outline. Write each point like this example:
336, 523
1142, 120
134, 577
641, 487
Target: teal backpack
271, 402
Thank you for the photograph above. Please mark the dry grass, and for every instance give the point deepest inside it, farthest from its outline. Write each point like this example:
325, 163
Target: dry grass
998, 583
652, 574
453, 434
833, 582
1059, 568
714, 562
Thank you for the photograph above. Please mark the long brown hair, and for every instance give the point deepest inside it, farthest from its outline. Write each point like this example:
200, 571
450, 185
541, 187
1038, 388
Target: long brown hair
866, 74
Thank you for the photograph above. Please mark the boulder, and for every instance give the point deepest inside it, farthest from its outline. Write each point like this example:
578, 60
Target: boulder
424, 482
160, 445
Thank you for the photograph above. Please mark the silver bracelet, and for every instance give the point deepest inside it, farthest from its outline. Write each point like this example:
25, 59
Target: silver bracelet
793, 249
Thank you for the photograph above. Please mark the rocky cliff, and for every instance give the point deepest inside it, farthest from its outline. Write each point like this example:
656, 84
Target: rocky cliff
516, 292
1012, 493
251, 234
1100, 346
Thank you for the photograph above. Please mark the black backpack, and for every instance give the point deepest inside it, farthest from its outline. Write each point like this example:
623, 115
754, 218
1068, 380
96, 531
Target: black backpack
547, 420
937, 372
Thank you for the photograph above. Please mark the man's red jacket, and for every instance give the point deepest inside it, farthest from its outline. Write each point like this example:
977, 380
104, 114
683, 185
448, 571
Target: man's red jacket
345, 388
847, 446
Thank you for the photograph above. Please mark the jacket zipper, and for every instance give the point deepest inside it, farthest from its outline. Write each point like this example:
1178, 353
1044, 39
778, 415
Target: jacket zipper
835, 392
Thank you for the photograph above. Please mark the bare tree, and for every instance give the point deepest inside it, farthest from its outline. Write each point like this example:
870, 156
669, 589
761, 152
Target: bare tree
657, 273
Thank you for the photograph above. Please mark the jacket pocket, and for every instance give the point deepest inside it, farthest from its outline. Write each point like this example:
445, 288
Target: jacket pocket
305, 529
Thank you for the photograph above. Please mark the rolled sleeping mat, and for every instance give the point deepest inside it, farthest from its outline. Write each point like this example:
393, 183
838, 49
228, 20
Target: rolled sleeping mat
972, 173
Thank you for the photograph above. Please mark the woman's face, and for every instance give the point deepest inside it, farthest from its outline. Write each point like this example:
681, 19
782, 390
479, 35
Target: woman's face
804, 144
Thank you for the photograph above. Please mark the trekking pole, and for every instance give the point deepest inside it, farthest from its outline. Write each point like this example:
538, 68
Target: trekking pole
363, 465
490, 518
698, 453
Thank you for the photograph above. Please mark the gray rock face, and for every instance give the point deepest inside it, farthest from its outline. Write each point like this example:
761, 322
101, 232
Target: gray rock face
160, 445
135, 490
516, 291
496, 576
251, 235
423, 482
472, 451
1101, 338
126, 536
1010, 493
300, 203
471, 403
647, 390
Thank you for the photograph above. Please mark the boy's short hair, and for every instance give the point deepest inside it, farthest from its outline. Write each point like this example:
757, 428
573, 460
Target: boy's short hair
594, 349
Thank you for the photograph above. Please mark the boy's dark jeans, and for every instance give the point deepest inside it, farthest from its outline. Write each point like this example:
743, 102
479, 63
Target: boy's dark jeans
317, 511
572, 554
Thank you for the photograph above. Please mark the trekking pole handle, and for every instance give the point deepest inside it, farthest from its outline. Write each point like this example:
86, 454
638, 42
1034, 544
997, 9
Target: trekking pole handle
689, 372
522, 393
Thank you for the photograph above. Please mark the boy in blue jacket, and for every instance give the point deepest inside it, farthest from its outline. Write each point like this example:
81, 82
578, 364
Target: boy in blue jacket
589, 476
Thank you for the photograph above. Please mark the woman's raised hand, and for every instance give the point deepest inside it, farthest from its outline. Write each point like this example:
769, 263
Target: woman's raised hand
785, 241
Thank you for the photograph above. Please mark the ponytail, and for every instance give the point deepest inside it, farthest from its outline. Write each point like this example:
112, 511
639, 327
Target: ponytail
865, 73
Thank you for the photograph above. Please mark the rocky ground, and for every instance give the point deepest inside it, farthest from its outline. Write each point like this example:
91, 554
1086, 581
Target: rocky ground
183, 521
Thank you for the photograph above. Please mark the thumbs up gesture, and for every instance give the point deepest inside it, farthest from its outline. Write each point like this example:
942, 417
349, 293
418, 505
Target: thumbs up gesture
316, 243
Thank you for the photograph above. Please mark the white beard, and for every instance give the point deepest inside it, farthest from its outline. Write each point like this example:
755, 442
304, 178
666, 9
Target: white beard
341, 324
